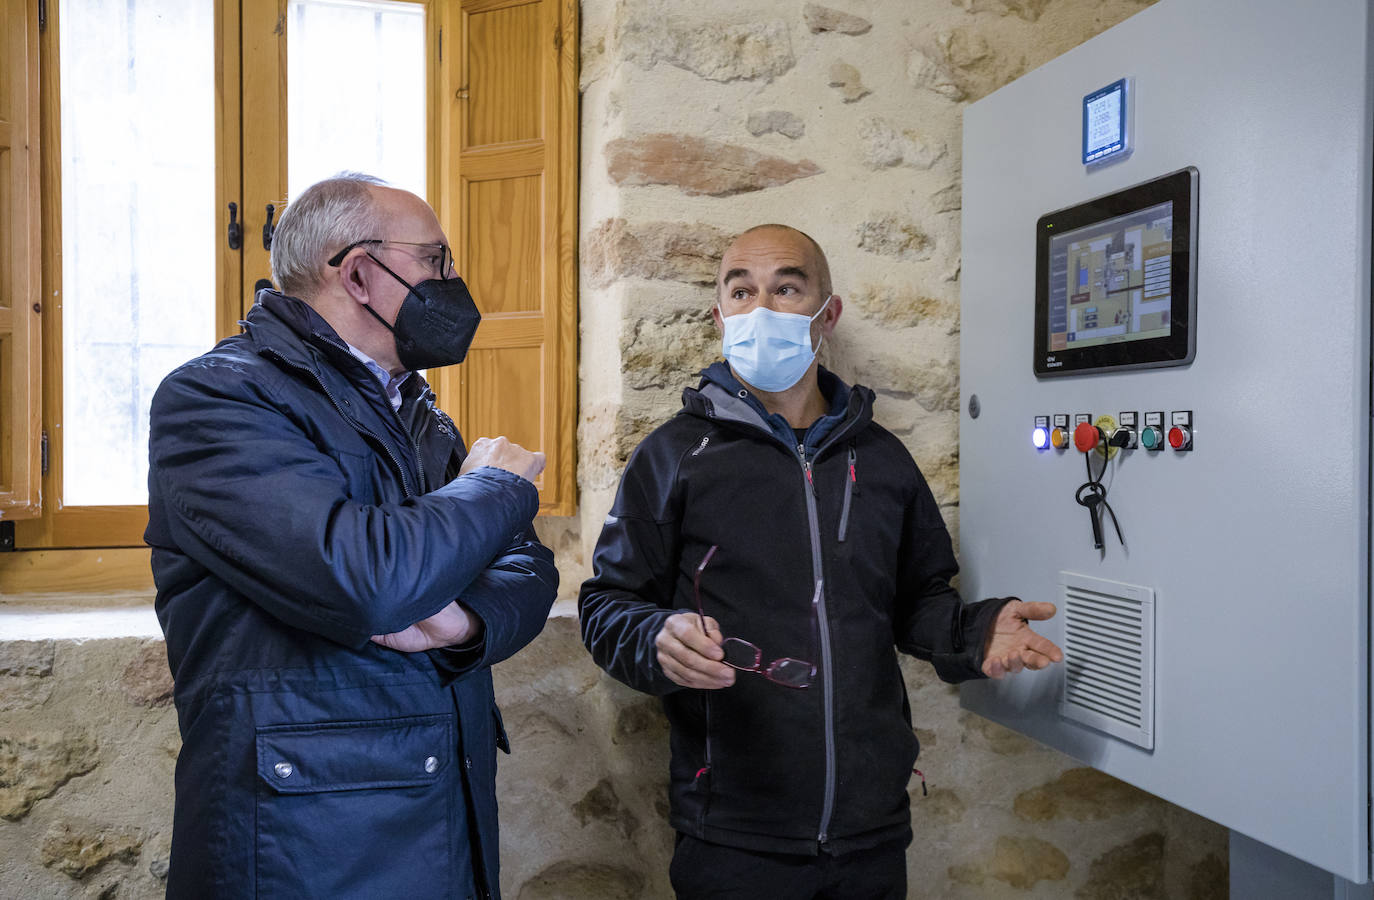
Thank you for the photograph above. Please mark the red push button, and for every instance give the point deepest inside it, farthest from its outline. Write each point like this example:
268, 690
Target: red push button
1179, 438
1086, 436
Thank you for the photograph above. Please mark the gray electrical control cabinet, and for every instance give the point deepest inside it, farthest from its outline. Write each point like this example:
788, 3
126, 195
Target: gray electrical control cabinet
1204, 304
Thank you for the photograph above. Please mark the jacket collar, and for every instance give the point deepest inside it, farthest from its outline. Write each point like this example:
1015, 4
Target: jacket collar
293, 330
720, 397
290, 331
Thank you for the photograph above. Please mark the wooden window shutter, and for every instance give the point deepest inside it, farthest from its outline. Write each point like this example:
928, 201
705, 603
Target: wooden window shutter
20, 263
508, 201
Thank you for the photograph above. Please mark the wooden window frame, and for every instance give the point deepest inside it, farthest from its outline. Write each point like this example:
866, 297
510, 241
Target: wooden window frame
65, 548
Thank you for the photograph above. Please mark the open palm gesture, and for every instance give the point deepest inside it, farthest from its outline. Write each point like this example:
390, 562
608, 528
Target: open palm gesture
1012, 646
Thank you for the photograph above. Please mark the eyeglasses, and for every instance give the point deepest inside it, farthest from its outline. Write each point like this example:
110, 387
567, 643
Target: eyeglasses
746, 657
440, 256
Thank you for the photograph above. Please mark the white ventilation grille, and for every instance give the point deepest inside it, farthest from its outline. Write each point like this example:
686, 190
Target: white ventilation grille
1109, 652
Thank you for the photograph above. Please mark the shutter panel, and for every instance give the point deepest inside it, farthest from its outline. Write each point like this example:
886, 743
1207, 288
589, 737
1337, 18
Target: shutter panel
509, 206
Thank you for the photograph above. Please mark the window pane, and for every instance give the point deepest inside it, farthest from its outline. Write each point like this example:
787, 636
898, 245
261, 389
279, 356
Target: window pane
138, 227
355, 91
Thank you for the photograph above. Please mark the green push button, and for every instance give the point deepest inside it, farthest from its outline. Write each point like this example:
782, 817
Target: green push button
1150, 438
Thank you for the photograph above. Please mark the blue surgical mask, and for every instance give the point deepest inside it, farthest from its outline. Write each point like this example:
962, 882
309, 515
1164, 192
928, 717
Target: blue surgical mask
769, 350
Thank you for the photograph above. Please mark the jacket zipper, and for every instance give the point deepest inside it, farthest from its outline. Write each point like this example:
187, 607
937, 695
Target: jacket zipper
415, 445
419, 463
848, 494
823, 627
339, 407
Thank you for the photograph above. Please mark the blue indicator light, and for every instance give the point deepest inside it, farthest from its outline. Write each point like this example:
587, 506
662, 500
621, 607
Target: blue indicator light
1040, 437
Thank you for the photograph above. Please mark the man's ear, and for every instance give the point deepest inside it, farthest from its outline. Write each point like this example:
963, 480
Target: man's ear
832, 314
715, 317
353, 275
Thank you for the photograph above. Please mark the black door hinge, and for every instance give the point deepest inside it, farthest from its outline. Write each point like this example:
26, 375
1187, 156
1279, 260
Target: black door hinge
6, 537
43, 453
42, 15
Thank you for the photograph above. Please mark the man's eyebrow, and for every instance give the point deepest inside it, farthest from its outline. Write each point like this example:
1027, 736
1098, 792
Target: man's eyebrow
784, 272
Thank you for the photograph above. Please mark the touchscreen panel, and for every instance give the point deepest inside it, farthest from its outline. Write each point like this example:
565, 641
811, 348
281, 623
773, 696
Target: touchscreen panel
1115, 280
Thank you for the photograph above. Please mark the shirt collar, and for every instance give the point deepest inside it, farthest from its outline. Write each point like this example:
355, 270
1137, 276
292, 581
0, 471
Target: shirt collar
391, 385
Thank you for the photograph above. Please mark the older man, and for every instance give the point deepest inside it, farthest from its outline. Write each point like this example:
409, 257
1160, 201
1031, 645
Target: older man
336, 575
768, 549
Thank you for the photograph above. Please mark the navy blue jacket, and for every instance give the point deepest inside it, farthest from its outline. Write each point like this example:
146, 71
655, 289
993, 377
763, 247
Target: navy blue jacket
292, 515
830, 549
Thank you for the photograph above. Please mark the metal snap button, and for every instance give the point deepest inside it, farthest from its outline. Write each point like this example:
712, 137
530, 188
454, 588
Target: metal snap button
467, 762
431, 764
283, 769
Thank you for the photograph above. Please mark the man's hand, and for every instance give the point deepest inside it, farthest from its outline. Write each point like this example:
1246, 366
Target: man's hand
691, 657
451, 625
1012, 646
503, 454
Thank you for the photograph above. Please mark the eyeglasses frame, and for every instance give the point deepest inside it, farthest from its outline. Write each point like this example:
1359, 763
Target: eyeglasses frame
757, 668
448, 264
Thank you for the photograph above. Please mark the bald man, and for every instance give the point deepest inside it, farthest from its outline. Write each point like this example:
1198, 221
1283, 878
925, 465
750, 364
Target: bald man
337, 574
770, 549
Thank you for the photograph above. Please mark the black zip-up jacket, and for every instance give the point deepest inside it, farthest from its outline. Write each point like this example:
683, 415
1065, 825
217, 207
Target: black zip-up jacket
847, 529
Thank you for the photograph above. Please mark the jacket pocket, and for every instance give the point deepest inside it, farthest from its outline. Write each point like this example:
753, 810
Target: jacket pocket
336, 797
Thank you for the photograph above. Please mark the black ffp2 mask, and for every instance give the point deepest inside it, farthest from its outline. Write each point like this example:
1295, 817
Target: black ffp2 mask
435, 324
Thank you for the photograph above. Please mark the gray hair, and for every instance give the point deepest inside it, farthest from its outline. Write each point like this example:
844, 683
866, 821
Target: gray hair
326, 217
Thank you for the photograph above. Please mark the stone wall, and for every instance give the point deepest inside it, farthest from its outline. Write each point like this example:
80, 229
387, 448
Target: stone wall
844, 121
88, 742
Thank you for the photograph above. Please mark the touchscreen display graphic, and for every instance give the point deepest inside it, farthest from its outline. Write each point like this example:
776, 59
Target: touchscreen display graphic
1111, 281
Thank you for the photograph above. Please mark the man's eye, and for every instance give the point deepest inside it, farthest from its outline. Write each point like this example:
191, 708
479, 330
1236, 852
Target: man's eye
739, 294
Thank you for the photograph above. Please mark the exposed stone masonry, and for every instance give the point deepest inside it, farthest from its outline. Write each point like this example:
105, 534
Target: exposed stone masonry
698, 166
583, 795
823, 18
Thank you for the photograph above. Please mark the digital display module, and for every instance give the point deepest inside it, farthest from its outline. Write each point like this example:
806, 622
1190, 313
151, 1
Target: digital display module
1106, 123
1115, 280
